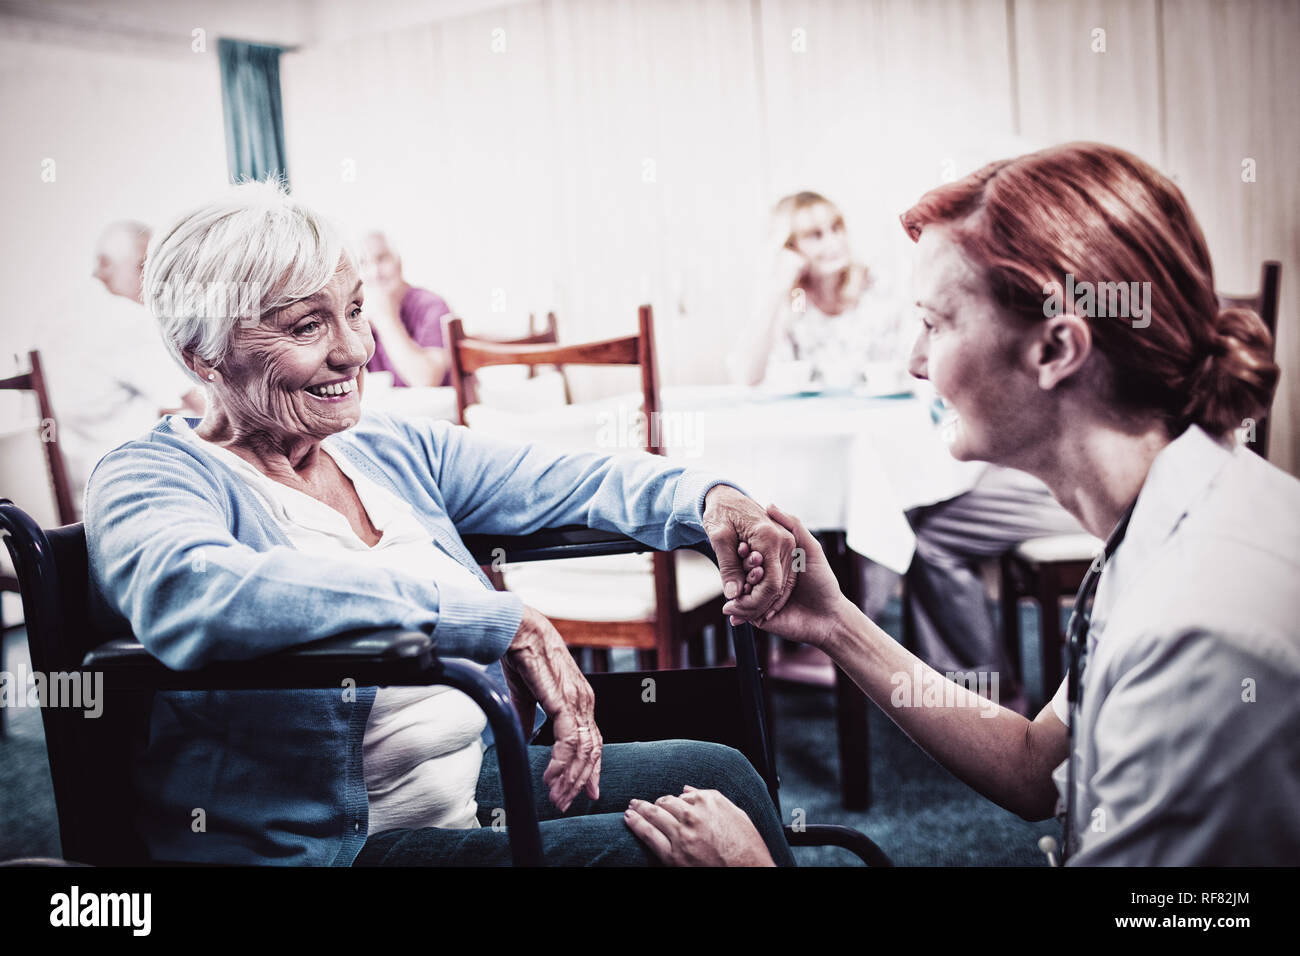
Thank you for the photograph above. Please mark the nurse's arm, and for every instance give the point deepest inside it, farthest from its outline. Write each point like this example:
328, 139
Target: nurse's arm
1000, 753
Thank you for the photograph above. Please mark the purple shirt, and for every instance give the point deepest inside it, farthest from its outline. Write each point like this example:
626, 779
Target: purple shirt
421, 313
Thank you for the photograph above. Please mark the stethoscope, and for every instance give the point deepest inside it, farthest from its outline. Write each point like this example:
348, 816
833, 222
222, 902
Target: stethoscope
1076, 630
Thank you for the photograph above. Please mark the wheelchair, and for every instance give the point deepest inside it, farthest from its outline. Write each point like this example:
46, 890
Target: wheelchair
90, 761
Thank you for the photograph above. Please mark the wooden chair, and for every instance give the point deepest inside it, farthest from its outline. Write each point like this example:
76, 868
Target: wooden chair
466, 383
650, 613
1049, 570
34, 381
48, 430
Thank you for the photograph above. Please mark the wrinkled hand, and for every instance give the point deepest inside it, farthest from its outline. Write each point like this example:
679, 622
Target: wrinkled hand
699, 828
539, 660
759, 581
811, 611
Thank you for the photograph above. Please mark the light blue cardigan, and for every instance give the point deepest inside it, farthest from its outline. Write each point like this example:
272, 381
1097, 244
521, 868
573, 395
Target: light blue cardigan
184, 551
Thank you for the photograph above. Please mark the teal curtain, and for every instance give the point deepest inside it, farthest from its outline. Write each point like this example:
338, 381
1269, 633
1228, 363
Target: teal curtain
250, 98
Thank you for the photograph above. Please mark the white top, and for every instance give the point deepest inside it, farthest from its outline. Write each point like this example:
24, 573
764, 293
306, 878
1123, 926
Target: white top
422, 745
109, 376
1187, 742
841, 349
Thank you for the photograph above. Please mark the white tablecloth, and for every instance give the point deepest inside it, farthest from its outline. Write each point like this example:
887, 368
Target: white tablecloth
845, 462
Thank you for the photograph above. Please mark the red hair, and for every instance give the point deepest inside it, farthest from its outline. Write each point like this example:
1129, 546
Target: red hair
1104, 216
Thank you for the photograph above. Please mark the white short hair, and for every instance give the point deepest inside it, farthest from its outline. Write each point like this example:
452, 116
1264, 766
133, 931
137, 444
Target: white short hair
234, 260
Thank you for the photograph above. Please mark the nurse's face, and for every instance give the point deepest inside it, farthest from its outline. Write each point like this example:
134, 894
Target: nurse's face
978, 358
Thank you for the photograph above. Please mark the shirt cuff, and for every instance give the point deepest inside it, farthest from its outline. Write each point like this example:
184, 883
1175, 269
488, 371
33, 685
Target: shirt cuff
477, 624
692, 488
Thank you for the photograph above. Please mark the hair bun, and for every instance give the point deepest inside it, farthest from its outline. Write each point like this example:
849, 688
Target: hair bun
1236, 376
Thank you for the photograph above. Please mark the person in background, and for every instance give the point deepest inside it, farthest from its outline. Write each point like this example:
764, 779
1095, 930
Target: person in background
119, 265
406, 321
110, 374
119, 258
825, 317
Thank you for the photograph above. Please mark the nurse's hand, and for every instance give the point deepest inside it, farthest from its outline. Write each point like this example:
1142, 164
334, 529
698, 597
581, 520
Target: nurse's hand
539, 659
816, 603
699, 828
760, 582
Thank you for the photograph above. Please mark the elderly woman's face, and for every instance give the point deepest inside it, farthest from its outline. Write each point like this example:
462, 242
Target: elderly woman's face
298, 372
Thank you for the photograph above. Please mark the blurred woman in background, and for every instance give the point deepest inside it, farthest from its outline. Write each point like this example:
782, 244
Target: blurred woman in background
824, 315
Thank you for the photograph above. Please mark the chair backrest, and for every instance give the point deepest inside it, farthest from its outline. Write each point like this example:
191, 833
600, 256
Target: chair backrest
466, 383
469, 355
1264, 304
34, 381
90, 758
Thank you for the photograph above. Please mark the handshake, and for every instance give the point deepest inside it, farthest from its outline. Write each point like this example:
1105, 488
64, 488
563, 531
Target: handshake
774, 572
774, 576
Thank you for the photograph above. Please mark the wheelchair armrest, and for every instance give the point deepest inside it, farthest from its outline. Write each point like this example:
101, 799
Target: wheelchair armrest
832, 834
571, 541
383, 657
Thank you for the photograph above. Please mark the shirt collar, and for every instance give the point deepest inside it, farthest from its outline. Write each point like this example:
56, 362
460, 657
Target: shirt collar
1179, 476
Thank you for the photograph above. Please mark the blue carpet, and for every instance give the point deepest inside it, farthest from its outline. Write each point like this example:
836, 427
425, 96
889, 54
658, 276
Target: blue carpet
920, 814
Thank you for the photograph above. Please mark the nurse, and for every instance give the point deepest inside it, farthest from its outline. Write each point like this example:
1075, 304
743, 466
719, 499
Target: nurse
1186, 729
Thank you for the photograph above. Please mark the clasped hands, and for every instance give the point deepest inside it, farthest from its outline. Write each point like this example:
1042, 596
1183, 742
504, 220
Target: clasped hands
788, 589
759, 555
755, 558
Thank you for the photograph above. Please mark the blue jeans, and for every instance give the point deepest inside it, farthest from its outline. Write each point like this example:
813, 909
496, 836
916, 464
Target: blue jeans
592, 832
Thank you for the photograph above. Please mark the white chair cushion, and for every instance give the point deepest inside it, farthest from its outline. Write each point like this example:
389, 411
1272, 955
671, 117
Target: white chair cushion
572, 428
1060, 547
616, 588
508, 388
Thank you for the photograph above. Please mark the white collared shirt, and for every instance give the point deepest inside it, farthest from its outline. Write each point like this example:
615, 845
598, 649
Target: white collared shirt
1187, 738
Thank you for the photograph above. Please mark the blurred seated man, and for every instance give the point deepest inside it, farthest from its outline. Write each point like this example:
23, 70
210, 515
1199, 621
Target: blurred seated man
406, 321
110, 375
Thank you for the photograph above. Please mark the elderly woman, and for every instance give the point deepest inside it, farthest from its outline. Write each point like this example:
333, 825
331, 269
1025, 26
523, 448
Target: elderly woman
1175, 740
287, 515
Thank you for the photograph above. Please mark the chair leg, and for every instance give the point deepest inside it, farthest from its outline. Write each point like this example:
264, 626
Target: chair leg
850, 702
1009, 602
666, 655
695, 656
906, 624
3, 732
721, 646
1050, 636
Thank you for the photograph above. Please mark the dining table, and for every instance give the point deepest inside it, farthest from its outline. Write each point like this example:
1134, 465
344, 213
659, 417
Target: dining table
849, 462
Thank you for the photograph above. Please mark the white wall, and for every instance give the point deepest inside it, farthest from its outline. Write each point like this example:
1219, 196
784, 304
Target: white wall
93, 135
523, 173
618, 152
